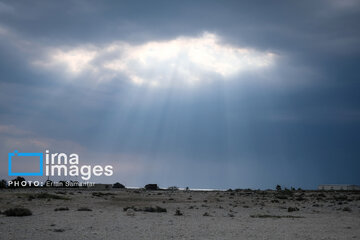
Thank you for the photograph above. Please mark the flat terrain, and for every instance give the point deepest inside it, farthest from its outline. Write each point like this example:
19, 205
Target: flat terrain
133, 214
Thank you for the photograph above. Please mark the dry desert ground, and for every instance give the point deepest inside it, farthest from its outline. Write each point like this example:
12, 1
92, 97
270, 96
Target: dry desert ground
141, 214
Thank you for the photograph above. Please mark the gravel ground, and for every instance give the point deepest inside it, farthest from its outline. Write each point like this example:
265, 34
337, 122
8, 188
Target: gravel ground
205, 215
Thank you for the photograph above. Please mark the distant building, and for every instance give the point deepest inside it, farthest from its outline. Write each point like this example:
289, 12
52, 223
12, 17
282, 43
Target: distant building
347, 187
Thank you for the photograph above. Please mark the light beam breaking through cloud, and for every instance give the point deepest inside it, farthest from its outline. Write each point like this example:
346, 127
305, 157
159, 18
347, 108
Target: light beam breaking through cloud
183, 60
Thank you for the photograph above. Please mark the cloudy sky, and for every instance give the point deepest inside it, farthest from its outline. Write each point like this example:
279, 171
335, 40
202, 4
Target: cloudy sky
206, 94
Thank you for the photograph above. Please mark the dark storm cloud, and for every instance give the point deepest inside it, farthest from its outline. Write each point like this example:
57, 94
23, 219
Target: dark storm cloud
301, 118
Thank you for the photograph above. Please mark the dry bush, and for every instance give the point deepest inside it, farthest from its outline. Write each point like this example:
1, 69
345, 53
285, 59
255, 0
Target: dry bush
61, 209
17, 212
85, 209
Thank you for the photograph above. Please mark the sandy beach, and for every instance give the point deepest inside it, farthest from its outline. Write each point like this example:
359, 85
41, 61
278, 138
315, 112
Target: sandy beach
141, 214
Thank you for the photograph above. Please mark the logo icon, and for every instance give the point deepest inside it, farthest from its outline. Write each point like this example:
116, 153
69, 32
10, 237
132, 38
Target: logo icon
16, 153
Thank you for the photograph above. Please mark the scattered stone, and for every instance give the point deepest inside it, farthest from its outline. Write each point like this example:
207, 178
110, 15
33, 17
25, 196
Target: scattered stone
130, 212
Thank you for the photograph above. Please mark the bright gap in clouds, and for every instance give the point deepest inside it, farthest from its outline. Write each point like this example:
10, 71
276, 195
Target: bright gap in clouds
184, 60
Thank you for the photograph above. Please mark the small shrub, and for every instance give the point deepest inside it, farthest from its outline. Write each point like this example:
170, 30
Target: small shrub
48, 196
173, 188
292, 209
281, 196
155, 209
61, 209
17, 212
287, 192
132, 207
146, 209
321, 195
101, 194
341, 198
206, 214
61, 192
178, 212
31, 197
85, 209
347, 209
300, 198
273, 216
